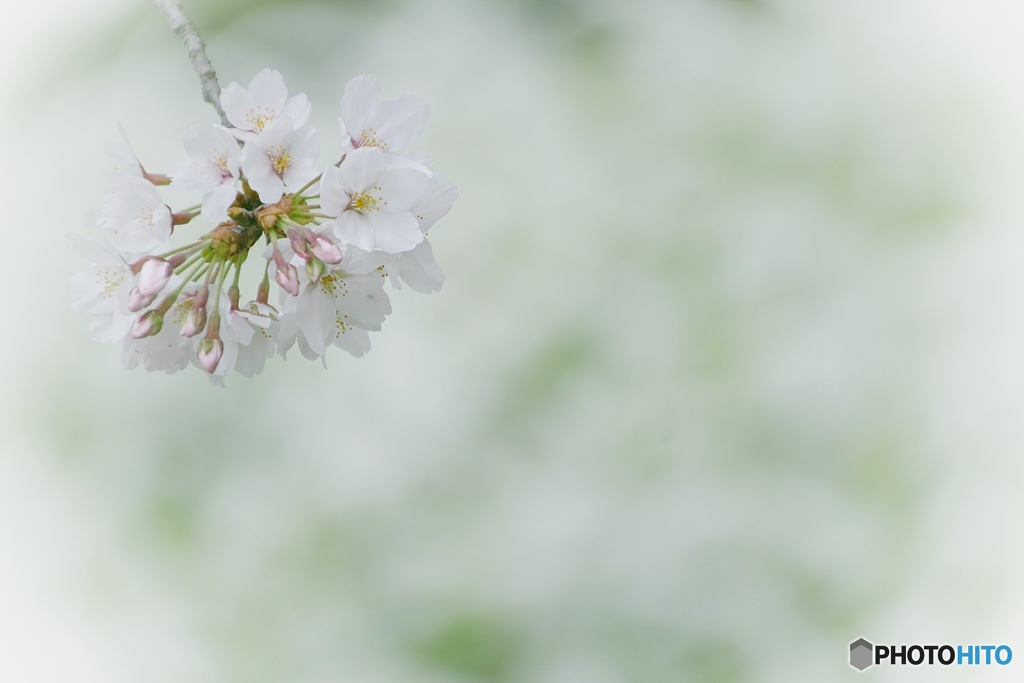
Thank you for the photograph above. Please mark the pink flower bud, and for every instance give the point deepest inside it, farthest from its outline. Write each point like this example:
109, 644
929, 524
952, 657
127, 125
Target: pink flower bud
153, 276
137, 300
314, 269
288, 278
263, 293
325, 250
210, 351
298, 243
195, 321
147, 325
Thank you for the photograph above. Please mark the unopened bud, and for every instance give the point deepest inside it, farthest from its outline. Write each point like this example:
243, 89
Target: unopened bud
298, 242
156, 178
263, 292
153, 276
210, 351
326, 250
195, 321
147, 325
288, 278
137, 300
314, 269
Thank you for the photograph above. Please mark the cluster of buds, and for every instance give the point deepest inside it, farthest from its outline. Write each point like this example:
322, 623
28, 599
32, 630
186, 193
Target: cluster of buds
329, 238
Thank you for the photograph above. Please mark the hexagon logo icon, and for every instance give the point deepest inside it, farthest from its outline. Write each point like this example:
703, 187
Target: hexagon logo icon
861, 652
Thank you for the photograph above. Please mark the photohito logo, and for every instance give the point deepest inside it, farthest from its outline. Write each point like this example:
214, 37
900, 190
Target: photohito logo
864, 654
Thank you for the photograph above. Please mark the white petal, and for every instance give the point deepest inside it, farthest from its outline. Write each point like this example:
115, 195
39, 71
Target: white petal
361, 169
267, 90
419, 269
297, 109
235, 102
394, 233
352, 228
400, 122
401, 189
217, 201
436, 202
333, 197
361, 94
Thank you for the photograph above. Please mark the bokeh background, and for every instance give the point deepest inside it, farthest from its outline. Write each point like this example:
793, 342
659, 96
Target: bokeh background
728, 370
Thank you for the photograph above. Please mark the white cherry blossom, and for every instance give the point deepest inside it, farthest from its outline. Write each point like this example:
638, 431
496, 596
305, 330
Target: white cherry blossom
101, 290
338, 309
134, 216
281, 159
372, 203
391, 125
167, 350
212, 169
332, 237
266, 100
417, 267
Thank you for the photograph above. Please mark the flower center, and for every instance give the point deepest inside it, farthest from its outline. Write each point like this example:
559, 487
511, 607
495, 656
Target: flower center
179, 311
259, 117
368, 138
364, 202
280, 160
221, 162
146, 217
110, 280
328, 283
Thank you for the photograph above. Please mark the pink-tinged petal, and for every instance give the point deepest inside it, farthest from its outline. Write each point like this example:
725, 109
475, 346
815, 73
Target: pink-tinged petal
394, 233
333, 197
297, 109
419, 269
235, 102
287, 277
401, 189
325, 250
209, 354
153, 276
361, 95
268, 91
361, 169
352, 228
400, 122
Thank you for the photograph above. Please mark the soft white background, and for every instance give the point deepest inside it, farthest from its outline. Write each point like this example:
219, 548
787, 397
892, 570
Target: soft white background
727, 372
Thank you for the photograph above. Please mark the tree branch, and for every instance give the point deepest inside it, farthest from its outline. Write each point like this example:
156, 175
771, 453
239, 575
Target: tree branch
196, 50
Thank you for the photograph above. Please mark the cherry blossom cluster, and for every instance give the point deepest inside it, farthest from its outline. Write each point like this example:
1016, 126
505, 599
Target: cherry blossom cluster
328, 237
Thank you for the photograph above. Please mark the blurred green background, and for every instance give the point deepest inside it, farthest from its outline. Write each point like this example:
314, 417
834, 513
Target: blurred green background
726, 372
